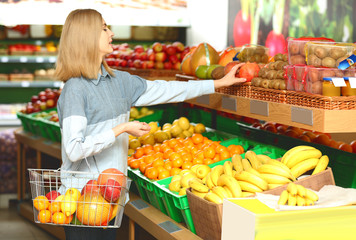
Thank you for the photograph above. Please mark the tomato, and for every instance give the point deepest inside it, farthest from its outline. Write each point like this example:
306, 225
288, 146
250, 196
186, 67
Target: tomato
249, 71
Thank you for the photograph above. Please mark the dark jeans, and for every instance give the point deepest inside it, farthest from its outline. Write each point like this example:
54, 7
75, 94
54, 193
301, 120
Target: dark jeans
88, 233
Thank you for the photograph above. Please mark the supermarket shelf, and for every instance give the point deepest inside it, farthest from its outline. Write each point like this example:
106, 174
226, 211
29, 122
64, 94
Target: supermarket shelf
10, 122
32, 84
28, 59
330, 121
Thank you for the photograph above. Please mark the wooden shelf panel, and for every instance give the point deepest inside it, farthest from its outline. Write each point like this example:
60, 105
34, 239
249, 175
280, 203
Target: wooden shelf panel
330, 121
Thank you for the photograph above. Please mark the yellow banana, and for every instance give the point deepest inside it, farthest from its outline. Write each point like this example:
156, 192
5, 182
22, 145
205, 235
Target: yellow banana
283, 198
228, 168
233, 173
176, 177
202, 171
254, 171
263, 158
220, 191
292, 189
274, 185
198, 186
215, 173
274, 169
249, 187
245, 164
212, 197
278, 163
231, 183
301, 190
229, 193
209, 183
251, 178
199, 194
237, 162
311, 195
309, 202
303, 155
275, 179
292, 200
204, 180
304, 166
247, 194
300, 201
322, 164
252, 157
294, 150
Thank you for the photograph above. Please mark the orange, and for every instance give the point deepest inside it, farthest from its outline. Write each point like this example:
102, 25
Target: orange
167, 153
198, 161
58, 218
151, 173
135, 164
163, 174
158, 155
41, 203
197, 138
168, 165
54, 207
208, 161
68, 219
157, 147
199, 154
188, 142
209, 152
44, 216
139, 152
187, 157
235, 149
177, 162
149, 159
187, 165
199, 146
160, 169
129, 159
220, 148
172, 142
174, 155
216, 158
224, 155
194, 151
175, 171
157, 162
147, 148
143, 167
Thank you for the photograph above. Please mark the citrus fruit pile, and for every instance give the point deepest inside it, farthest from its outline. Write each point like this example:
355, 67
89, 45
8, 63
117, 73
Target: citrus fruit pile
176, 154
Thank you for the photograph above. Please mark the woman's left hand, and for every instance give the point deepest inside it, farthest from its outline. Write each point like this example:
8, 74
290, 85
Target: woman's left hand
230, 78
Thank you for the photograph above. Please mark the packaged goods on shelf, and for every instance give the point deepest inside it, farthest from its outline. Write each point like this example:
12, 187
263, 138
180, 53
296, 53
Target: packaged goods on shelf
253, 53
296, 48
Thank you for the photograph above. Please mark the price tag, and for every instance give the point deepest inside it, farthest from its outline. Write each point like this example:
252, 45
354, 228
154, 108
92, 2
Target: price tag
169, 227
338, 82
352, 82
57, 84
52, 59
205, 99
302, 115
23, 59
258, 107
4, 59
228, 103
139, 204
39, 59
25, 84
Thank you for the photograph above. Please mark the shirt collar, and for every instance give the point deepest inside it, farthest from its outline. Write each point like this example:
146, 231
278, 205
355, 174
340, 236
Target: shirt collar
100, 76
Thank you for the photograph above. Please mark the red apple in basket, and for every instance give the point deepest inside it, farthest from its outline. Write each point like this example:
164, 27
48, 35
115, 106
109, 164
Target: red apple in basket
52, 195
111, 190
91, 187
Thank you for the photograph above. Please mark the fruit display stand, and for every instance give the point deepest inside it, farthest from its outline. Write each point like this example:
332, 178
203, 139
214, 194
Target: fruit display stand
208, 216
145, 215
152, 74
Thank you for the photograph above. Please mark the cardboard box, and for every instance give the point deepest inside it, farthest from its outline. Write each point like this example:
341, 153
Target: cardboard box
207, 216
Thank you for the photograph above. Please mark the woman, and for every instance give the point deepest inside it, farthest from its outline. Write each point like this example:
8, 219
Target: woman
95, 102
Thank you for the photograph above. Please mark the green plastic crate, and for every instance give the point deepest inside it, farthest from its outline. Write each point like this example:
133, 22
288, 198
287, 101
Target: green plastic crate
140, 190
177, 206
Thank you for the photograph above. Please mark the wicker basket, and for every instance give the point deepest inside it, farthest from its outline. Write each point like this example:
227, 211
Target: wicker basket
320, 101
267, 94
241, 90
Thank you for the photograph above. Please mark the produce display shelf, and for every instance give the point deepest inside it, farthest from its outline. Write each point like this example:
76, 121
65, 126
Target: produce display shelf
322, 120
152, 74
30, 84
28, 59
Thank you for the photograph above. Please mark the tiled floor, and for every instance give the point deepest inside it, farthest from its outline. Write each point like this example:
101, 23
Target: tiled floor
15, 227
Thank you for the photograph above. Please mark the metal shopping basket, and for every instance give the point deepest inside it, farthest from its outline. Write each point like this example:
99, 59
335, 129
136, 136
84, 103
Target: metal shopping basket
83, 199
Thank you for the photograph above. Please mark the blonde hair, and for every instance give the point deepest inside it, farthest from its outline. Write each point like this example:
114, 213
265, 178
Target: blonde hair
78, 54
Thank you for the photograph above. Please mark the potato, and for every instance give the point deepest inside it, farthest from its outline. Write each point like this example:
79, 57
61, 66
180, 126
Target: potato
339, 73
317, 88
299, 86
337, 52
313, 60
328, 62
302, 49
326, 73
313, 75
282, 85
321, 52
297, 59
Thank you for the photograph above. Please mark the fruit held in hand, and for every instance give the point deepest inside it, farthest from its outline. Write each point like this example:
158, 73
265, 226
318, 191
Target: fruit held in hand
249, 71
111, 190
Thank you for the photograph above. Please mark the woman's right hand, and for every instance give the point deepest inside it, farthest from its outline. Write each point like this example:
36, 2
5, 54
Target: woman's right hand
134, 128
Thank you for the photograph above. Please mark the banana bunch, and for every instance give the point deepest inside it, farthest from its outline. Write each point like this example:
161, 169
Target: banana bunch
297, 195
301, 159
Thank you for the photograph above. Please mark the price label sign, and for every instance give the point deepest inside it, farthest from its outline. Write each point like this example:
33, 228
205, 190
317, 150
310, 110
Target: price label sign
352, 82
39, 59
23, 59
25, 84
228, 103
339, 82
52, 59
4, 59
